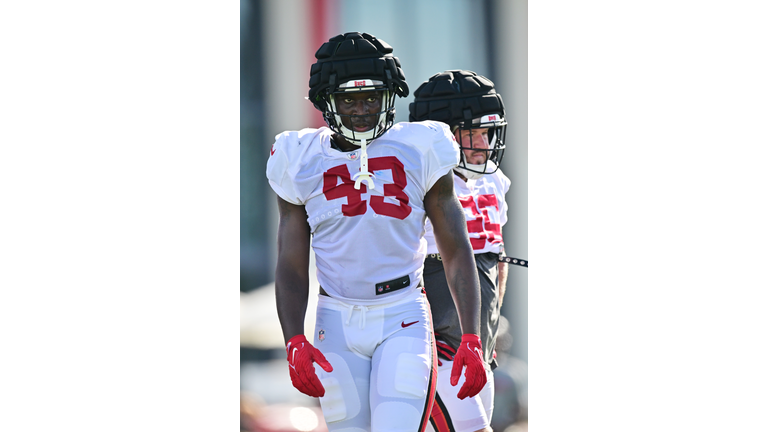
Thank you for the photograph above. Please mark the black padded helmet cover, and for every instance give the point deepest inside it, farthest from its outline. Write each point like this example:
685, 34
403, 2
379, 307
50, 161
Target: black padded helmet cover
462, 98
455, 96
354, 56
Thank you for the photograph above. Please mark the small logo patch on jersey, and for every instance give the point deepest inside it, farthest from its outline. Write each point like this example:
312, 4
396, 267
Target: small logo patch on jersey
352, 156
321, 335
404, 325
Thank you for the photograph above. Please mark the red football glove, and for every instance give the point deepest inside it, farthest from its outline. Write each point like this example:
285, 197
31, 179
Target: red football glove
301, 354
469, 354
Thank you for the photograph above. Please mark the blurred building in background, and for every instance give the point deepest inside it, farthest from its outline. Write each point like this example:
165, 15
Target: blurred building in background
278, 41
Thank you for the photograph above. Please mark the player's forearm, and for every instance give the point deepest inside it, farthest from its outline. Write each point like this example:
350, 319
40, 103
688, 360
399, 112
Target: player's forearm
292, 285
291, 295
461, 275
503, 267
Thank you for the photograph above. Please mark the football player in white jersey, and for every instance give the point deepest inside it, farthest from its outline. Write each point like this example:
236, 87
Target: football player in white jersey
361, 190
469, 104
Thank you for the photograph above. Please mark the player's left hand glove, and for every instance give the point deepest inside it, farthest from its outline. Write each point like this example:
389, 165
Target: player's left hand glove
469, 354
301, 355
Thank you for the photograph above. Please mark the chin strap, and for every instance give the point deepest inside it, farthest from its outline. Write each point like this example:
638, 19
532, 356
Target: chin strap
363, 174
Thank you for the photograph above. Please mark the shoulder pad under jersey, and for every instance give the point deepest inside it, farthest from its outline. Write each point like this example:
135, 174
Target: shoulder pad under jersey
290, 153
423, 135
434, 141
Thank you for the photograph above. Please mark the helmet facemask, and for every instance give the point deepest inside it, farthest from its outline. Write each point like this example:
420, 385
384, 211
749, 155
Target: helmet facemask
497, 130
384, 118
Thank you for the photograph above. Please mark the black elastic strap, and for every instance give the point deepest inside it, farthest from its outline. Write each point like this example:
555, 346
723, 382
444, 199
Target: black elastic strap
515, 261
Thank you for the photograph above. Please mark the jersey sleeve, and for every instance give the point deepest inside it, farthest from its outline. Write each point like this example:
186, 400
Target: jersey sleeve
284, 167
442, 156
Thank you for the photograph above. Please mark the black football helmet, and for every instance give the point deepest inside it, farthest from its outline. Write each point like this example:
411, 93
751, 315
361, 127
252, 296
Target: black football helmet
355, 62
465, 101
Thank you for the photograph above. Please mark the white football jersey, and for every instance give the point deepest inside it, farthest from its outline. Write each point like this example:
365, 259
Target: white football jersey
485, 209
368, 243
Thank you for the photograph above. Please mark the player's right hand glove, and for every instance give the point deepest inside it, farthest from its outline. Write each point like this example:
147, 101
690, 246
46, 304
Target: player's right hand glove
301, 355
469, 354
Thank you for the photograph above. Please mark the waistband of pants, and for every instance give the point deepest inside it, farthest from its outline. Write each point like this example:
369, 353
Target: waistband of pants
436, 256
322, 291
336, 304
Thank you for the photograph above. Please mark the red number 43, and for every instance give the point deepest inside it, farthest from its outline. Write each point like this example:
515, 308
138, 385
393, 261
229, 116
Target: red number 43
355, 205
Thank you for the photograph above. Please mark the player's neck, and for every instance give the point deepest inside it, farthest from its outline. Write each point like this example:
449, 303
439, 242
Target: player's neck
340, 143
